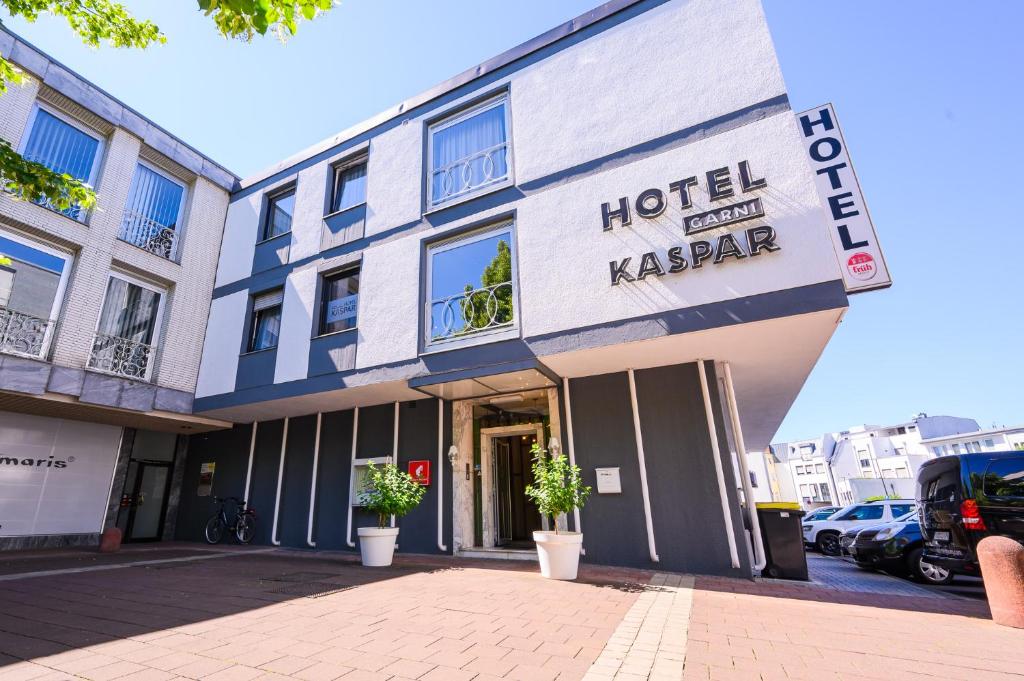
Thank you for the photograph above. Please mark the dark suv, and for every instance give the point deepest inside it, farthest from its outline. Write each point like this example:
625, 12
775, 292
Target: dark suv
964, 498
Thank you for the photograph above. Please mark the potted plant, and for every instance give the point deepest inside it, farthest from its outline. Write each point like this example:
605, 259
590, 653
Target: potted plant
387, 492
556, 489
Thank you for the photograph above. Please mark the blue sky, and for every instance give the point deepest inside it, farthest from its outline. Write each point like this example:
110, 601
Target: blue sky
929, 95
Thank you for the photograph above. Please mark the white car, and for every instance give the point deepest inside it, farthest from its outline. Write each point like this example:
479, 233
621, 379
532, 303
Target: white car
824, 534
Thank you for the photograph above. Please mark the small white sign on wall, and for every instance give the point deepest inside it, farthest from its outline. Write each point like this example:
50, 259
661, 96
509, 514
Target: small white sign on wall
608, 481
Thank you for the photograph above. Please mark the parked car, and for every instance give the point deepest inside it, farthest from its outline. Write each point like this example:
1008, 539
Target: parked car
821, 513
824, 534
895, 547
964, 498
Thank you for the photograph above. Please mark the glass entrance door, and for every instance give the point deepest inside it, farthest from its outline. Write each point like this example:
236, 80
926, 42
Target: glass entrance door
502, 491
148, 502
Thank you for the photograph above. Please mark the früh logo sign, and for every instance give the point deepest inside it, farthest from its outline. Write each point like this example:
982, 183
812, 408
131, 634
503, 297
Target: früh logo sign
853, 234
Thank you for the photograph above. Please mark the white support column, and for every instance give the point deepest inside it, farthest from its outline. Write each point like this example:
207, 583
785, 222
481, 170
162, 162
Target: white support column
741, 454
394, 452
248, 470
440, 476
352, 478
730, 532
280, 476
571, 451
643, 467
312, 485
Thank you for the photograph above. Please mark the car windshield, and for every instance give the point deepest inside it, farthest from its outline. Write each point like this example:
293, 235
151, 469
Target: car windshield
907, 517
862, 512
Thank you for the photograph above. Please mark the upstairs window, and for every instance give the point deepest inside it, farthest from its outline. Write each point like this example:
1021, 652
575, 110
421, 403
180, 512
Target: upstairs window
349, 186
31, 290
471, 286
279, 214
469, 152
63, 148
266, 320
155, 204
129, 326
339, 302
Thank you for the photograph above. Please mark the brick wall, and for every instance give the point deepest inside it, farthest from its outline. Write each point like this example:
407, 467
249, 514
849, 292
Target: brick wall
97, 250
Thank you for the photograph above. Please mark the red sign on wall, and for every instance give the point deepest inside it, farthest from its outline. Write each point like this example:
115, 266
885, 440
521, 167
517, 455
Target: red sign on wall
419, 471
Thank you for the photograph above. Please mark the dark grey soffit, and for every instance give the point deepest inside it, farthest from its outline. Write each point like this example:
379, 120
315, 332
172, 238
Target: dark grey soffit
818, 297
590, 23
111, 109
506, 197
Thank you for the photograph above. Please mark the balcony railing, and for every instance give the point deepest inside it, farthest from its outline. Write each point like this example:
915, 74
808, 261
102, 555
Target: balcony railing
483, 309
24, 334
148, 234
472, 172
121, 356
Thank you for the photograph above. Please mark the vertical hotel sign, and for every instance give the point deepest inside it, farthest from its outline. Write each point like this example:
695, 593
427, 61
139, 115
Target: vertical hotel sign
853, 234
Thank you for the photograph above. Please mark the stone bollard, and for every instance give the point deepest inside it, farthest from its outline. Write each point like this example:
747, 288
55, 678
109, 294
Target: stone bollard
1002, 567
110, 540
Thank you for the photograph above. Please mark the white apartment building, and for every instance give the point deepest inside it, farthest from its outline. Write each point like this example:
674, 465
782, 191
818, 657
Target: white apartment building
101, 313
863, 461
978, 442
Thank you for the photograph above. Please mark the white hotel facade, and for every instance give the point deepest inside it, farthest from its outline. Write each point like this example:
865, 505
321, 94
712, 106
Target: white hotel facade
605, 240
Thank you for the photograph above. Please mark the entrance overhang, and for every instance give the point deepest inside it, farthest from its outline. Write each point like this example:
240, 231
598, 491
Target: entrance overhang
486, 381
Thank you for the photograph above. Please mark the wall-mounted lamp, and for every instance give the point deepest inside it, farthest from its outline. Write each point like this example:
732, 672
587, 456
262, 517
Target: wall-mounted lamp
453, 455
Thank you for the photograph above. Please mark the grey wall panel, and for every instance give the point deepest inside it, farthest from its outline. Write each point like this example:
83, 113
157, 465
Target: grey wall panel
229, 450
271, 253
417, 440
333, 353
333, 481
685, 502
614, 532
293, 517
263, 487
256, 369
375, 439
344, 227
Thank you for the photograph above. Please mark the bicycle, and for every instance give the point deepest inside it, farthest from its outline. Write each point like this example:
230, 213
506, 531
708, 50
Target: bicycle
243, 524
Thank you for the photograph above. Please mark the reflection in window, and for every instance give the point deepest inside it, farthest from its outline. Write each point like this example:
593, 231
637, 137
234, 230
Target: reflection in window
471, 286
469, 151
349, 187
339, 302
279, 215
63, 148
30, 285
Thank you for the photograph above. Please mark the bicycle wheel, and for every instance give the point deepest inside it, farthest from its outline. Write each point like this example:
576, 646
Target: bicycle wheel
245, 528
214, 530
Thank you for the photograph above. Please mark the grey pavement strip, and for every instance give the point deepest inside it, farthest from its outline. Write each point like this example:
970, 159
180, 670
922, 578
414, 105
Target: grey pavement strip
650, 641
117, 566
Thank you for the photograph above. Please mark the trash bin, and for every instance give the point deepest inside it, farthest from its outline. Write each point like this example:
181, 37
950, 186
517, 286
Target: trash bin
783, 540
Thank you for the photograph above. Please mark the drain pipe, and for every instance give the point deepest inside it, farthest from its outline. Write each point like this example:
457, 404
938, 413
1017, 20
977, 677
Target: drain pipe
572, 451
741, 451
643, 468
280, 475
352, 478
312, 485
730, 532
440, 476
394, 453
248, 470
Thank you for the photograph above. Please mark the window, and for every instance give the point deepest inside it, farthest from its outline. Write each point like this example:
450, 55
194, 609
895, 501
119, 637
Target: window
863, 513
62, 147
825, 494
865, 463
937, 450
799, 470
471, 286
753, 479
349, 186
469, 152
280, 208
956, 448
338, 301
990, 443
902, 472
1005, 478
806, 451
901, 509
128, 328
266, 320
155, 204
819, 468
31, 291
902, 430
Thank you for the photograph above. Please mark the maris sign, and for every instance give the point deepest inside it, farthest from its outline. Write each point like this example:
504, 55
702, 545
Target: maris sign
722, 185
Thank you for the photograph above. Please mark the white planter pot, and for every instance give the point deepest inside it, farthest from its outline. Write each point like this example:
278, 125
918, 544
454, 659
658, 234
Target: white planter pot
377, 545
559, 554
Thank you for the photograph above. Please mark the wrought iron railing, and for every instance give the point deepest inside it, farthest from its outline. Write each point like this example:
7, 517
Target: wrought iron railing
24, 334
473, 311
121, 356
457, 178
148, 234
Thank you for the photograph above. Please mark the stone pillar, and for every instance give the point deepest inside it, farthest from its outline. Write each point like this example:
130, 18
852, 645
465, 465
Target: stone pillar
1002, 566
462, 489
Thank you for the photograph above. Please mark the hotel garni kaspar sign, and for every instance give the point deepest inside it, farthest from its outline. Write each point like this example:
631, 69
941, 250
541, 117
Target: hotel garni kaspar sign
853, 234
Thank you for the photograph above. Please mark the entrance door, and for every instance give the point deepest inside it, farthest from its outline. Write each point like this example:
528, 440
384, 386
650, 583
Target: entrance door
516, 516
148, 502
502, 453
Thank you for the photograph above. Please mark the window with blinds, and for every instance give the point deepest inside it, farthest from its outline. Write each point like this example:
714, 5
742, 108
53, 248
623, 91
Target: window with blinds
152, 213
266, 320
63, 148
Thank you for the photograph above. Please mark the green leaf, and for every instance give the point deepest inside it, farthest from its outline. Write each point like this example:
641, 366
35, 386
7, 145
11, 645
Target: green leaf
557, 485
389, 491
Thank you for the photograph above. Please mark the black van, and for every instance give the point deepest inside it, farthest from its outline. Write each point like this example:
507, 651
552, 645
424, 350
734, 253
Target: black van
964, 498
